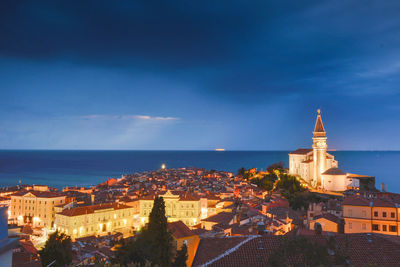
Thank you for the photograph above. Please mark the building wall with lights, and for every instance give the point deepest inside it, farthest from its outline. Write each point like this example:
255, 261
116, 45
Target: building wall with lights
35, 208
183, 208
95, 220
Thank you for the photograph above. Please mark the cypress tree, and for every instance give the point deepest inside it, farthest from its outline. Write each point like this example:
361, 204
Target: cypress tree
159, 237
153, 244
57, 248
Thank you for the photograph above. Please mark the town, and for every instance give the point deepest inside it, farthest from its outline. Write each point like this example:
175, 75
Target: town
221, 218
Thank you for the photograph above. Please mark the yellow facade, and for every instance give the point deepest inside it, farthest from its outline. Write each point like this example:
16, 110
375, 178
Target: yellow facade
176, 209
327, 225
367, 219
95, 220
35, 208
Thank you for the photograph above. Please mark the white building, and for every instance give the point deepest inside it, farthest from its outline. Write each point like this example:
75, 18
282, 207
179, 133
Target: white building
317, 167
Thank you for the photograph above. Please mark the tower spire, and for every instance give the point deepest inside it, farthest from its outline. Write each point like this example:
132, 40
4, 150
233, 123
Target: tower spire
319, 130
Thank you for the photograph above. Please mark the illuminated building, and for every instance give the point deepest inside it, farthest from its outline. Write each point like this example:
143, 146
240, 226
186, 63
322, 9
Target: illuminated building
35, 207
95, 220
319, 168
376, 215
178, 207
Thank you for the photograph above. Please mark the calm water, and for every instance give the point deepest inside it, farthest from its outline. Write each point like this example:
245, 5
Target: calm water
62, 168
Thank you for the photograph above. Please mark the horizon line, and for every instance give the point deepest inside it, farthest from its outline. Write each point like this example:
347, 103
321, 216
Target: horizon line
191, 150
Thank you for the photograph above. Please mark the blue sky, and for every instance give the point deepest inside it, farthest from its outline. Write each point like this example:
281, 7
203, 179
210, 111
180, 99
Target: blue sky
242, 75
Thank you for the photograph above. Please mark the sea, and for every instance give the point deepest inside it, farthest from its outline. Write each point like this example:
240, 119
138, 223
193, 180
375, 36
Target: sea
60, 168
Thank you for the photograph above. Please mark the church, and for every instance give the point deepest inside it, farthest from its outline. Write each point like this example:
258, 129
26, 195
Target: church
319, 168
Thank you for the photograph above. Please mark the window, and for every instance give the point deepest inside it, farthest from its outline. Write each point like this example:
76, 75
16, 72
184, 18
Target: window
392, 214
375, 214
384, 228
364, 226
364, 213
375, 227
392, 228
350, 212
384, 214
350, 225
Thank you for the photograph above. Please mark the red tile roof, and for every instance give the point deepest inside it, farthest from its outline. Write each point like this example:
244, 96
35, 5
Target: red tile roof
356, 201
301, 151
91, 209
376, 202
179, 230
41, 194
222, 217
334, 171
329, 217
210, 248
361, 249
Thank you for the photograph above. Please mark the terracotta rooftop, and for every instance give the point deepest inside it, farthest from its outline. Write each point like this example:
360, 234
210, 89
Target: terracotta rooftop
334, 171
302, 151
361, 250
91, 209
222, 217
329, 217
179, 230
42, 194
356, 201
376, 202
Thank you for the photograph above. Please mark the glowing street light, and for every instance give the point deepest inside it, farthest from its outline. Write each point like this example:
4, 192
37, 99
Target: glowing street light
163, 166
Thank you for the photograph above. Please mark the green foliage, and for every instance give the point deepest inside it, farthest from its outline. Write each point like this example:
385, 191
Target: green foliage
266, 183
289, 184
279, 166
153, 244
181, 257
307, 253
295, 193
58, 247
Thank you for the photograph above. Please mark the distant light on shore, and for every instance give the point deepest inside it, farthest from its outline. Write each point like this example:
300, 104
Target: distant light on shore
220, 149
163, 166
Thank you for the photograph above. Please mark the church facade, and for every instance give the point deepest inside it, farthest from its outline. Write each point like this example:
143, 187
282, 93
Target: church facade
317, 167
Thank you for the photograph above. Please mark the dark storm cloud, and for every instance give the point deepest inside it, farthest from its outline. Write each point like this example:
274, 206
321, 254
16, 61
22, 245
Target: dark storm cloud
264, 65
228, 47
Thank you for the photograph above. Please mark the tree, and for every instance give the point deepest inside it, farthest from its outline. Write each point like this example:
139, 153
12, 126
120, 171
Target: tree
181, 257
153, 244
241, 171
57, 248
276, 166
158, 234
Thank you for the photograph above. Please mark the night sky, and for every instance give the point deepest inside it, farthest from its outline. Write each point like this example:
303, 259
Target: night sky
195, 75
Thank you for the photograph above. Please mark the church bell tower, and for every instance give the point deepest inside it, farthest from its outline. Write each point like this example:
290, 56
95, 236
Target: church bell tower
319, 149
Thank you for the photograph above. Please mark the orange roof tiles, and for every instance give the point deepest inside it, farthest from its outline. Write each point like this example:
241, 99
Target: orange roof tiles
361, 249
179, 230
91, 209
301, 151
